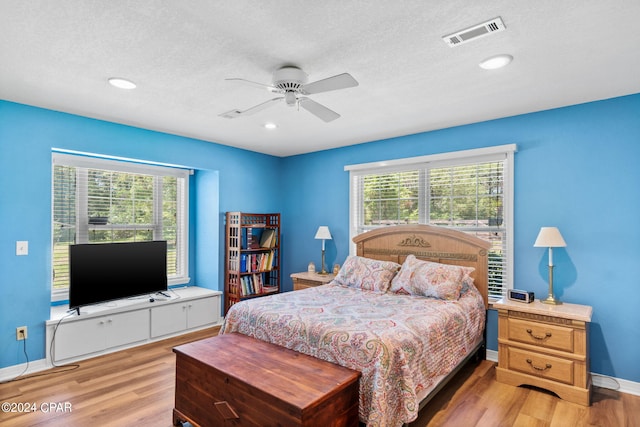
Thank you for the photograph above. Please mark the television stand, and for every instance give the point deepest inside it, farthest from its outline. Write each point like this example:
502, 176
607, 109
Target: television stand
129, 323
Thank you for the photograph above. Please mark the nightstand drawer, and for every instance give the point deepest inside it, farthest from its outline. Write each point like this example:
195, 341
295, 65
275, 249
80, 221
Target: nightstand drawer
542, 334
309, 280
541, 365
299, 284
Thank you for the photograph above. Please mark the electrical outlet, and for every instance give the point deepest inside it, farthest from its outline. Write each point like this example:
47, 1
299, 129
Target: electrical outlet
21, 333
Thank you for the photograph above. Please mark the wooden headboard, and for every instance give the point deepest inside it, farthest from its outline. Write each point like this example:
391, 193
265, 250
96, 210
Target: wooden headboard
429, 243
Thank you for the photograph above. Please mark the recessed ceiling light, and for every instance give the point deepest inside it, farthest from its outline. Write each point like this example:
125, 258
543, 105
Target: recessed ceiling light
270, 126
121, 83
496, 62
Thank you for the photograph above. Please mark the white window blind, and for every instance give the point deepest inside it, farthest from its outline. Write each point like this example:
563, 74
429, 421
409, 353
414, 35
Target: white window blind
471, 191
97, 200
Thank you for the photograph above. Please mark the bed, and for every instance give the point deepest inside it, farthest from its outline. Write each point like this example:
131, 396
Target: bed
407, 311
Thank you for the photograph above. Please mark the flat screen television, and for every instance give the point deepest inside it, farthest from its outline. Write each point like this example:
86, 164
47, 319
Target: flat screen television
101, 272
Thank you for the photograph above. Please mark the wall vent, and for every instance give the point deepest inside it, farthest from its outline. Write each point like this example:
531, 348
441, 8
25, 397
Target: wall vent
460, 37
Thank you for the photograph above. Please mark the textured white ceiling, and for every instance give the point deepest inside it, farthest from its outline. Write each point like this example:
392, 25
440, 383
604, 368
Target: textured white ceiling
59, 54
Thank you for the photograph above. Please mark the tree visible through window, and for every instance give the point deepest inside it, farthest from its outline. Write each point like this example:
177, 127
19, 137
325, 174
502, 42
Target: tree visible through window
391, 198
99, 201
465, 193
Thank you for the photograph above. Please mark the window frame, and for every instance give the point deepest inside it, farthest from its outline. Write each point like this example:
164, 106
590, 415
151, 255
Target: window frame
503, 153
123, 165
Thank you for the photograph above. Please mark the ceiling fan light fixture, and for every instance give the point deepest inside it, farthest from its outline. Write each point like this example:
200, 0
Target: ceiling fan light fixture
495, 62
290, 98
121, 83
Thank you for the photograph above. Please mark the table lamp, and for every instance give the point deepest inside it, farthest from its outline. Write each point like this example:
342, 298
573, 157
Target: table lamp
324, 234
550, 237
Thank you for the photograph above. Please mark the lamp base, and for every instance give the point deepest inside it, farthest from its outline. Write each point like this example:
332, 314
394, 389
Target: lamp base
551, 300
322, 271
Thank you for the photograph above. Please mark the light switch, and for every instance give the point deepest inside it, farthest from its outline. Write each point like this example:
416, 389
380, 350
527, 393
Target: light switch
22, 247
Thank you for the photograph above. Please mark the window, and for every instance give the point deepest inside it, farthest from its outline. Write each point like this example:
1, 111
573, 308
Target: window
471, 191
98, 200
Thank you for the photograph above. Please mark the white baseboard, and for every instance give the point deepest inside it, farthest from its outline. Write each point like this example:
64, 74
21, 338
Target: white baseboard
11, 372
624, 386
599, 380
492, 355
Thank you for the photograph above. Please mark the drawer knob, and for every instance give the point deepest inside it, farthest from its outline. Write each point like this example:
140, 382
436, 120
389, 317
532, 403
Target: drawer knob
538, 368
539, 337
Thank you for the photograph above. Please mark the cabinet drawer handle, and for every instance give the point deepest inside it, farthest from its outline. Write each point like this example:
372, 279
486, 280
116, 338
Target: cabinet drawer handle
538, 368
226, 411
538, 337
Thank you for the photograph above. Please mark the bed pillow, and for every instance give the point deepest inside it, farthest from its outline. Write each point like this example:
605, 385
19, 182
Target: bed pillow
430, 279
367, 274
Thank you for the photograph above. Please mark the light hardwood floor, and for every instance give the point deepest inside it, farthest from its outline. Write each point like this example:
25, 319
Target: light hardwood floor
135, 388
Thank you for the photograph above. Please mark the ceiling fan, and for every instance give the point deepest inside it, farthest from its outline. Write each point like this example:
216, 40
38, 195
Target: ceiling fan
291, 83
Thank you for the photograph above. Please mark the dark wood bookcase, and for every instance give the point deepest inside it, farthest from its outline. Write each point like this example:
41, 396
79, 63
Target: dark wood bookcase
252, 256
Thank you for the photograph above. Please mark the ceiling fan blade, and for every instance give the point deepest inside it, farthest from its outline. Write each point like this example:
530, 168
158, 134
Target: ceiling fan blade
319, 110
232, 114
255, 84
341, 81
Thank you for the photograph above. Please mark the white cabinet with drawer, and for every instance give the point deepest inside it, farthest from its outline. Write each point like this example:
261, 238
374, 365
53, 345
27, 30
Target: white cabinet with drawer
104, 328
96, 334
545, 346
184, 315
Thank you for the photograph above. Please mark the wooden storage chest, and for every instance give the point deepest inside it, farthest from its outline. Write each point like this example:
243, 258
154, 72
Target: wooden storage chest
236, 380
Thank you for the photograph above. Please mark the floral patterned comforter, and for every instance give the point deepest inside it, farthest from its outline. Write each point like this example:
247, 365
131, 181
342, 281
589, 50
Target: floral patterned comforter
402, 344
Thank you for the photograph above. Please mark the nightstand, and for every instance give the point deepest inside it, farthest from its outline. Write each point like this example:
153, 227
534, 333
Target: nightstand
545, 346
308, 280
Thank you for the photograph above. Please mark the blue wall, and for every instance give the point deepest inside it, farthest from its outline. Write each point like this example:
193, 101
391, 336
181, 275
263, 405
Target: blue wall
28, 134
576, 168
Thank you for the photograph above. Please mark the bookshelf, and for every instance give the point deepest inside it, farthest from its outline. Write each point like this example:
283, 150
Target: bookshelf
252, 256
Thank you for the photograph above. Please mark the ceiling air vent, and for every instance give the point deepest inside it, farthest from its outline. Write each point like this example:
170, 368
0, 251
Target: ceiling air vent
493, 26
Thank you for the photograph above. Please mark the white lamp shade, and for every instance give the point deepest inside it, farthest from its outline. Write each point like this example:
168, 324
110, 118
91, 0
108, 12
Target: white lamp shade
323, 233
550, 237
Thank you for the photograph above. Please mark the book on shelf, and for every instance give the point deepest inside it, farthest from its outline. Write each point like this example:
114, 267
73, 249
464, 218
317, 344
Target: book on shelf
243, 287
257, 283
243, 263
246, 286
262, 261
254, 285
250, 238
268, 238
